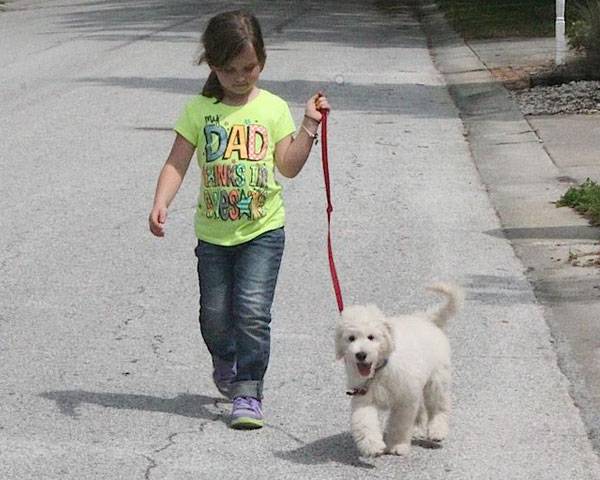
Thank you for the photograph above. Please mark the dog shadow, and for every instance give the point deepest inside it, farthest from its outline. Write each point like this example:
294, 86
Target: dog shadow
338, 448
184, 404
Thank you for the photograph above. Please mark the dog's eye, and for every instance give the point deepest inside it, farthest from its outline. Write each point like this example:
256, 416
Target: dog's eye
371, 337
351, 338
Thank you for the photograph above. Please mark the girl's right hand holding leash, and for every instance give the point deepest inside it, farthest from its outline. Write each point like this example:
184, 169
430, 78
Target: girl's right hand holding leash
315, 105
291, 154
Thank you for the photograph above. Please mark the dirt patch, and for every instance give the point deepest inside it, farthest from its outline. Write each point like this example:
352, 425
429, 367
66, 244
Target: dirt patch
548, 74
584, 259
514, 78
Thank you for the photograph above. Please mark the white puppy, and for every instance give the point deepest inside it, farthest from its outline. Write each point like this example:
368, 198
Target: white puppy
401, 365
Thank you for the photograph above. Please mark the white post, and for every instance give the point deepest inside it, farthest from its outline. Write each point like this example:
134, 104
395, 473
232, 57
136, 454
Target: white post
561, 41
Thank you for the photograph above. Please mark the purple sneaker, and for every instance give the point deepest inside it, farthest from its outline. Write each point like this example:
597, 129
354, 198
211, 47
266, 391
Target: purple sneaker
246, 413
223, 373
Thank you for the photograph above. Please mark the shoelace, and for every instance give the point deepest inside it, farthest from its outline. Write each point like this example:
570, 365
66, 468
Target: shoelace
247, 403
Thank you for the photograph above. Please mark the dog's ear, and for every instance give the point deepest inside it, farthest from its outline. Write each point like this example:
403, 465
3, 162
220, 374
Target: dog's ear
388, 342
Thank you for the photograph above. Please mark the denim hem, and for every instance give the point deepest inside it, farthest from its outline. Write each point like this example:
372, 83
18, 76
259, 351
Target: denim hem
249, 388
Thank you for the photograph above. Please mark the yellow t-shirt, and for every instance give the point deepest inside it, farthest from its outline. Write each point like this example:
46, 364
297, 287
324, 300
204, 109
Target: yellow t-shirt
239, 196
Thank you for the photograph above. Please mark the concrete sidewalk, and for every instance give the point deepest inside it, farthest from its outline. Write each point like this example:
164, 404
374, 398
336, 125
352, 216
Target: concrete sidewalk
571, 141
527, 163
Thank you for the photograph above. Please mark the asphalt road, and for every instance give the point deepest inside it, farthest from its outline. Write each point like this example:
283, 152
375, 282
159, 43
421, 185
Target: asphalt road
104, 375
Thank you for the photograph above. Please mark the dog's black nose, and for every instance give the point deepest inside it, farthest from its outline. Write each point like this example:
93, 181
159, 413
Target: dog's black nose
360, 356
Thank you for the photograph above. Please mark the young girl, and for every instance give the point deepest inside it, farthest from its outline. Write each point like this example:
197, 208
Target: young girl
241, 133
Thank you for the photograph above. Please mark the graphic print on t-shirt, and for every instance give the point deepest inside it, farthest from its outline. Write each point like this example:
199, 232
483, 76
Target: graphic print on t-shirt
234, 176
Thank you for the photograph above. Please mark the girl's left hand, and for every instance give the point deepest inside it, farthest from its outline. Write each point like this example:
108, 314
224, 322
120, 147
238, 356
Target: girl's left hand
315, 104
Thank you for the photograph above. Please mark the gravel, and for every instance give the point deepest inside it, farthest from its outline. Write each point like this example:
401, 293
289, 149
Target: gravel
573, 97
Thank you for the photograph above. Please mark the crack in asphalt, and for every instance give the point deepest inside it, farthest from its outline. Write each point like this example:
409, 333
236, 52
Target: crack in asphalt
170, 442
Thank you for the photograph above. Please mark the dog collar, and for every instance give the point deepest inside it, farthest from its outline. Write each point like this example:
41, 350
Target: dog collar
365, 387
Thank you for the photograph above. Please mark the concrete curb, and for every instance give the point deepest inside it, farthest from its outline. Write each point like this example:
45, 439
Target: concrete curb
523, 184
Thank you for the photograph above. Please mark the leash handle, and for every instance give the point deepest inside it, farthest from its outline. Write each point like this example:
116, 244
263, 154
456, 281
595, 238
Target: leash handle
325, 159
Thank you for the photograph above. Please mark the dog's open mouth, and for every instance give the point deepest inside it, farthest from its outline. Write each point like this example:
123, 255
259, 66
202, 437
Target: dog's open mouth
364, 368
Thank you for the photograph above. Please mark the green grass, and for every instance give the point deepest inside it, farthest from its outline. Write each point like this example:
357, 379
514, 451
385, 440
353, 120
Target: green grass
478, 19
585, 199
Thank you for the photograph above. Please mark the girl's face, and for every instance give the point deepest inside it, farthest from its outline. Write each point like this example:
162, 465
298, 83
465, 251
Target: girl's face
239, 76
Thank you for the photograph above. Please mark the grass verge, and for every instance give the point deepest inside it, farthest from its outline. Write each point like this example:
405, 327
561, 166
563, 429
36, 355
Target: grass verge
585, 199
479, 19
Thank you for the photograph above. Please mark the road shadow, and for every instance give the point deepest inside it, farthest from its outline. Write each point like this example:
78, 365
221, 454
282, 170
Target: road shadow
184, 404
338, 448
558, 291
123, 23
377, 27
418, 100
567, 232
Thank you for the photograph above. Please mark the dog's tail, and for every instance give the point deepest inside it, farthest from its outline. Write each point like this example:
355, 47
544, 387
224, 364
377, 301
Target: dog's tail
441, 313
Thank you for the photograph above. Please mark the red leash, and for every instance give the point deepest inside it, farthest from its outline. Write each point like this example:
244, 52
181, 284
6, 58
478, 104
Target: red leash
334, 277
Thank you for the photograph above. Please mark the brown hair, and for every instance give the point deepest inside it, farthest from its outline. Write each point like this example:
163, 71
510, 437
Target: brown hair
224, 38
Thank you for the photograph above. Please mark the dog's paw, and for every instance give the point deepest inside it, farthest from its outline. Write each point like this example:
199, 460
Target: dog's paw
420, 432
399, 449
371, 447
438, 429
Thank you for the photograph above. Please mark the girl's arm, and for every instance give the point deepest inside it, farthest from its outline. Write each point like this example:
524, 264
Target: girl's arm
291, 153
170, 179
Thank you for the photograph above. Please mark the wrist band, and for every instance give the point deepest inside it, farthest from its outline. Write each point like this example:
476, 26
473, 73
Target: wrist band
311, 135
311, 118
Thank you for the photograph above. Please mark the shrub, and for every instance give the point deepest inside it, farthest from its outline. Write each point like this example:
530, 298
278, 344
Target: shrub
585, 199
584, 32
578, 32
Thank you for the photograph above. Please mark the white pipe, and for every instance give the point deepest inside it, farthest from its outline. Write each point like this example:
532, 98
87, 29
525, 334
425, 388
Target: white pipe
561, 41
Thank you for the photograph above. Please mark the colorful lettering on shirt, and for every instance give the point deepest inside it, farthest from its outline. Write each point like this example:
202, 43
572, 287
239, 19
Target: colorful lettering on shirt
245, 140
234, 205
224, 175
220, 133
242, 142
255, 131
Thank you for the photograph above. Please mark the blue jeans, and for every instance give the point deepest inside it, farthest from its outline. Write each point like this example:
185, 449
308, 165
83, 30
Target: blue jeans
237, 285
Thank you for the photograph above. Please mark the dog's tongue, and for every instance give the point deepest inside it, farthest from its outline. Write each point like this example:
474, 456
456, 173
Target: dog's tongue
364, 369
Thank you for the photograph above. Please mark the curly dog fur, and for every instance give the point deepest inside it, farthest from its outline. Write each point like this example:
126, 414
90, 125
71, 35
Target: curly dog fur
399, 365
